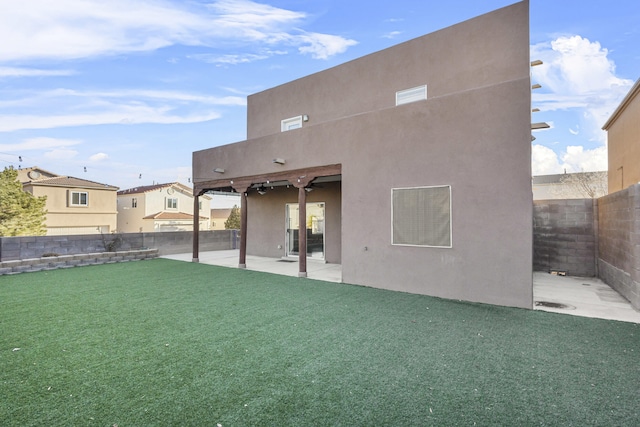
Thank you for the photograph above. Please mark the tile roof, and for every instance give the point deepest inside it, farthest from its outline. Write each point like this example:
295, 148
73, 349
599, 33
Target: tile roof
70, 181
148, 188
172, 215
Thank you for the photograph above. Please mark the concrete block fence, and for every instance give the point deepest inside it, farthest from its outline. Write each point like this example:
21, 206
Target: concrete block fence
19, 248
564, 236
619, 234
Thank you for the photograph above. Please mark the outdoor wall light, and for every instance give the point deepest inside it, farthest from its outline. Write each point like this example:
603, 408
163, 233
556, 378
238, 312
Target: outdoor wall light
308, 189
305, 118
279, 161
218, 170
262, 190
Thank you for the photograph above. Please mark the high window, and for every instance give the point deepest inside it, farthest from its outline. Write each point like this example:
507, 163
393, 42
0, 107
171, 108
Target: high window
421, 216
134, 202
172, 203
411, 95
290, 124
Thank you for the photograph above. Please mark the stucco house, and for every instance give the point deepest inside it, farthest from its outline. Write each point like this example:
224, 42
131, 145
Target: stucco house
623, 137
74, 205
160, 207
218, 217
577, 185
410, 166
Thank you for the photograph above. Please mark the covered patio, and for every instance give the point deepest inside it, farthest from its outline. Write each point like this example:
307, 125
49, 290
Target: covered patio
303, 180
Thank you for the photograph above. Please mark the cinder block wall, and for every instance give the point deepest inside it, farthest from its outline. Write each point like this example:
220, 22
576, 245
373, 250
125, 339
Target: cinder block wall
619, 249
564, 237
16, 248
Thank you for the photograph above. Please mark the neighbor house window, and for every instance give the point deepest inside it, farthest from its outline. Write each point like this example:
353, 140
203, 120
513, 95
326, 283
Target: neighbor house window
421, 216
172, 203
290, 124
411, 95
134, 202
78, 198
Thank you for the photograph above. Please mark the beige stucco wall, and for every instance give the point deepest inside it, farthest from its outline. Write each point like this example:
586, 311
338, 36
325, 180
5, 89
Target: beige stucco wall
100, 212
130, 220
624, 144
472, 133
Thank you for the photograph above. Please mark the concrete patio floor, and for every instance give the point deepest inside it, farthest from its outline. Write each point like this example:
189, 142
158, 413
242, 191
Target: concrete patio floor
577, 296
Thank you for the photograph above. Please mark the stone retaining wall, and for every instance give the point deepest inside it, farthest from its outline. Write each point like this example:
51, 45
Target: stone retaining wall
68, 261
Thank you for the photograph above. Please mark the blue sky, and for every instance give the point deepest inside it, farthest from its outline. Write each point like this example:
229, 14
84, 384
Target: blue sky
128, 89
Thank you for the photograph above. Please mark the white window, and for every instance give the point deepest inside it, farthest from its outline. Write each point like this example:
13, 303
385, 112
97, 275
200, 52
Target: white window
78, 198
172, 203
134, 202
421, 216
411, 95
290, 124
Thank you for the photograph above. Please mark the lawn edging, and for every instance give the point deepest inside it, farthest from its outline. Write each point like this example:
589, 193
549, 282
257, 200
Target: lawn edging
68, 261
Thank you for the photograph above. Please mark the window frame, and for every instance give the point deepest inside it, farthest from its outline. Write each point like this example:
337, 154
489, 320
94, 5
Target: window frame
79, 194
173, 205
450, 207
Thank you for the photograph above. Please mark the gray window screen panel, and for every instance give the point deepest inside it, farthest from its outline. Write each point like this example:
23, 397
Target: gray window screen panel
422, 216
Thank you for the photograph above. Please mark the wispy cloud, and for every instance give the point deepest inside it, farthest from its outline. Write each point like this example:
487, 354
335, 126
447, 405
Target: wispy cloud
391, 34
65, 107
71, 29
32, 72
41, 143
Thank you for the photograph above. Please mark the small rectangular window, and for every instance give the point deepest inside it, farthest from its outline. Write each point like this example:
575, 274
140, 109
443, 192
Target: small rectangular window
172, 203
134, 202
411, 95
78, 198
290, 124
421, 216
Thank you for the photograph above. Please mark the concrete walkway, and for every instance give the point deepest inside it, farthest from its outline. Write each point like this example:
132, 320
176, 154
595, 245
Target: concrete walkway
577, 296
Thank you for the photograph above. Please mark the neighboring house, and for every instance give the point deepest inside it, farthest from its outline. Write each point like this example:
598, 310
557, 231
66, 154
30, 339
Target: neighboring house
74, 205
410, 166
580, 185
623, 137
160, 207
219, 217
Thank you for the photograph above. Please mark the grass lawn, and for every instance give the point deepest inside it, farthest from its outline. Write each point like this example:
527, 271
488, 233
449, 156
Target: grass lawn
171, 343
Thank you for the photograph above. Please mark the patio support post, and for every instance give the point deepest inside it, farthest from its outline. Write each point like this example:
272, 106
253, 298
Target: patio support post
242, 263
301, 182
302, 231
196, 227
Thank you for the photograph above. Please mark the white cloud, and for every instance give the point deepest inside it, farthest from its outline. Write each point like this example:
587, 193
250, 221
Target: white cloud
61, 108
577, 73
61, 154
98, 157
578, 159
32, 72
545, 161
392, 34
70, 29
229, 59
41, 143
322, 46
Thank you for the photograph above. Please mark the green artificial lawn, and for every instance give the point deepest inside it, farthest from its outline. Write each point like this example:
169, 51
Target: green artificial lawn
171, 343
